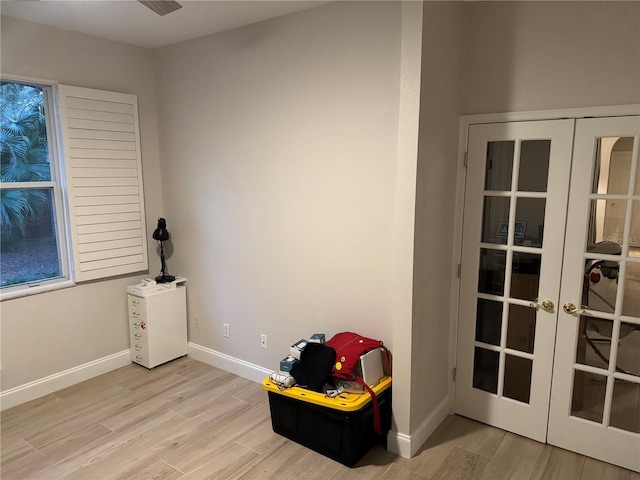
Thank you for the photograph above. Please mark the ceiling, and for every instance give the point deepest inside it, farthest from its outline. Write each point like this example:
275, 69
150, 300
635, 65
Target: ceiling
130, 22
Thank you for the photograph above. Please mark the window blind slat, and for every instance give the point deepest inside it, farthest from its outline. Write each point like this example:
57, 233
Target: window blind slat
116, 218
106, 191
107, 236
93, 270
110, 253
102, 163
120, 199
101, 144
99, 115
107, 154
101, 125
107, 227
106, 209
103, 135
109, 245
105, 181
104, 172
105, 106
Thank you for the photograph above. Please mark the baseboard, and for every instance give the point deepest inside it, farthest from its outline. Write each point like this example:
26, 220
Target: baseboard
57, 381
408, 445
399, 443
228, 363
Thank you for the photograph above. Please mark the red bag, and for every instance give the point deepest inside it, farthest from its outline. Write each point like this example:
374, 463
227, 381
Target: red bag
349, 348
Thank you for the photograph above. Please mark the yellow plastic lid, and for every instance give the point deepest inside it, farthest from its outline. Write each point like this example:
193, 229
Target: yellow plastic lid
346, 402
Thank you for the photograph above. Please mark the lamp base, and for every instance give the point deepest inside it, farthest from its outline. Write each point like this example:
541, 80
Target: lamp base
165, 279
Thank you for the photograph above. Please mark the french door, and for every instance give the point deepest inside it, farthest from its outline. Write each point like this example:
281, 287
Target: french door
549, 314
596, 380
514, 216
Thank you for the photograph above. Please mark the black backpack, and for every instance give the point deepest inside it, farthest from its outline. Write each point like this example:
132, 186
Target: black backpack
315, 365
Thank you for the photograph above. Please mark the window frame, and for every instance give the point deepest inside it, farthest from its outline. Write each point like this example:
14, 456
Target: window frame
57, 185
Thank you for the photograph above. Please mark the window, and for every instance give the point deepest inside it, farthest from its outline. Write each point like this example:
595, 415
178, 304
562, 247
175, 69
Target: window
87, 201
32, 240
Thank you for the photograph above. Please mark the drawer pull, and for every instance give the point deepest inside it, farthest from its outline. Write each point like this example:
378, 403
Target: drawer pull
137, 336
136, 314
138, 347
139, 358
136, 325
135, 303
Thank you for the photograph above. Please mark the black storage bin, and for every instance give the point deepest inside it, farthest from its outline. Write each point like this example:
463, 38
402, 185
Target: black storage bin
323, 424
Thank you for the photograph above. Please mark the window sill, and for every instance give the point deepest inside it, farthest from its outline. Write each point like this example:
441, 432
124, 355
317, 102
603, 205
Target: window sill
28, 291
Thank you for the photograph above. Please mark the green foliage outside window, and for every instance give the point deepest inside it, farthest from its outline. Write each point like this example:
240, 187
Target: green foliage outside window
26, 210
24, 158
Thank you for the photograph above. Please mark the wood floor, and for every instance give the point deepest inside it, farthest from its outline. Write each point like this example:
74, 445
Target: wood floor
187, 420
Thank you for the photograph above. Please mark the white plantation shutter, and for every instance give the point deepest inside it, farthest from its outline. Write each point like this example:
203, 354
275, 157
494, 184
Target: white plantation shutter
104, 182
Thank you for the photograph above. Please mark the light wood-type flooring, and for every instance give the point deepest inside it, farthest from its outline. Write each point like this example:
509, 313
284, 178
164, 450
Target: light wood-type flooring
187, 420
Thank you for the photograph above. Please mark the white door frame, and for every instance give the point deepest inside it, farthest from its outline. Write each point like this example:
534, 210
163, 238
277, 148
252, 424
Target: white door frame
465, 122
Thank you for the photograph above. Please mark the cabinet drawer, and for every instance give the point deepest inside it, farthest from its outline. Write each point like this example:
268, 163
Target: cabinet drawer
138, 336
136, 302
137, 313
138, 326
137, 307
139, 348
140, 357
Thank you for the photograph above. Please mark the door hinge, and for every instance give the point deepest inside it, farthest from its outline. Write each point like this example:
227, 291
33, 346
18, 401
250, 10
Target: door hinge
466, 159
455, 373
459, 270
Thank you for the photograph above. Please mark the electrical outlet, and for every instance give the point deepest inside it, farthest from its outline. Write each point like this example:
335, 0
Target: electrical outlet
196, 321
263, 341
225, 330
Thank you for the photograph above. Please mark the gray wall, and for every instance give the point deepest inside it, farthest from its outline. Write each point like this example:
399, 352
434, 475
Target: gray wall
549, 55
279, 147
442, 61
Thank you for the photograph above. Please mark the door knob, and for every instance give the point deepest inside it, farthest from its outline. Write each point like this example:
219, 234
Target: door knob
571, 309
546, 305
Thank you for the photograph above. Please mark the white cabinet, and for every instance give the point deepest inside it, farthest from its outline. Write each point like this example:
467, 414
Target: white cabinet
158, 324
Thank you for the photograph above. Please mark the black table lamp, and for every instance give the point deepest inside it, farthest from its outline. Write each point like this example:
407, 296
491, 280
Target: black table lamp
161, 235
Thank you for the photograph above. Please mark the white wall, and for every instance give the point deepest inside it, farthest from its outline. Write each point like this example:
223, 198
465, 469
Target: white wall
279, 147
48, 333
442, 61
404, 223
549, 55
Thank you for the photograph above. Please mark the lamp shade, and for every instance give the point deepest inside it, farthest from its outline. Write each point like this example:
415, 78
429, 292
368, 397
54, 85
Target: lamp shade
161, 233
